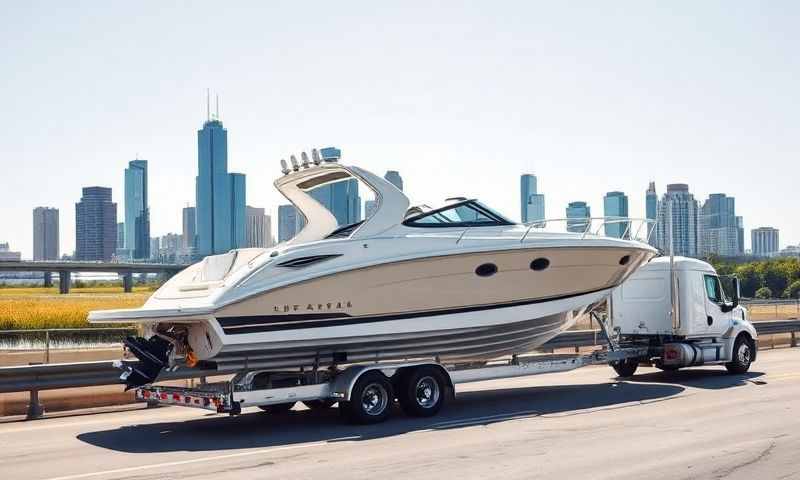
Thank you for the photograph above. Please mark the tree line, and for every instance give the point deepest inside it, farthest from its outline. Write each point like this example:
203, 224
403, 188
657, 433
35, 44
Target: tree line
772, 278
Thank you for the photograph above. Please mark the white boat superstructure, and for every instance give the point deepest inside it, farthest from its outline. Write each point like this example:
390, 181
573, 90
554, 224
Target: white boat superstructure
455, 283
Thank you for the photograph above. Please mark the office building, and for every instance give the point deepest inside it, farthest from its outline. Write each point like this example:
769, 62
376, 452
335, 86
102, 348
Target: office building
95, 225
290, 222
677, 221
137, 211
393, 177
615, 205
740, 234
155, 248
340, 198
764, 241
651, 212
578, 215
719, 231
531, 202
6, 255
45, 233
220, 196
258, 232
189, 225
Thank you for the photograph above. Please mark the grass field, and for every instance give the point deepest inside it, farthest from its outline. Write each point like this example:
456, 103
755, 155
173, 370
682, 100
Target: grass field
32, 308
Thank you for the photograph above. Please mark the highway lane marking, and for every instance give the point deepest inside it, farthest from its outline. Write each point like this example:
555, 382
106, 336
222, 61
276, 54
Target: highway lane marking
189, 462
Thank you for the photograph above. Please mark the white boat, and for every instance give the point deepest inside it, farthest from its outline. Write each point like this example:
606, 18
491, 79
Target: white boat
455, 283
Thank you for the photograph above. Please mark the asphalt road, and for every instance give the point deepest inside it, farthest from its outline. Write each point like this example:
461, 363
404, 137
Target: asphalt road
698, 423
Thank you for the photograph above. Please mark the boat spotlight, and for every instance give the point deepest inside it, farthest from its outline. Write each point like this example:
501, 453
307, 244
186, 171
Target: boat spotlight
295, 165
315, 156
304, 159
284, 168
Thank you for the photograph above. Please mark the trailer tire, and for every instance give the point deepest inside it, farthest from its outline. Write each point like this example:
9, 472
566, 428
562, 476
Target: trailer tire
371, 399
319, 404
742, 355
626, 368
422, 391
278, 408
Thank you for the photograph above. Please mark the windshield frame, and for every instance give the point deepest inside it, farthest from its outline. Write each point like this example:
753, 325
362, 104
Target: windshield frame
498, 220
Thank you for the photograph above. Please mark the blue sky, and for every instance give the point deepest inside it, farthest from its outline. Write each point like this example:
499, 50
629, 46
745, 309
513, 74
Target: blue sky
460, 97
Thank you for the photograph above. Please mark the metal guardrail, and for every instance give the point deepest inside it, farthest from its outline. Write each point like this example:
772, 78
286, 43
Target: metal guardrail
33, 378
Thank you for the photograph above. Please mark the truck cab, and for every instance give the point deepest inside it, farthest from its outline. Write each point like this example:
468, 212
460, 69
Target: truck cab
683, 310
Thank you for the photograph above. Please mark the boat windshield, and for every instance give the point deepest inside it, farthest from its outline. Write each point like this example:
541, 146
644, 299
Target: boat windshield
466, 213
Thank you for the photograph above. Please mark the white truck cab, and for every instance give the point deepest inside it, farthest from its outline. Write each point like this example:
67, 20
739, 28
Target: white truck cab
680, 308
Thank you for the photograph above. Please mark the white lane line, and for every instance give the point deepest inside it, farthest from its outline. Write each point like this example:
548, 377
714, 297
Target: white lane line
188, 462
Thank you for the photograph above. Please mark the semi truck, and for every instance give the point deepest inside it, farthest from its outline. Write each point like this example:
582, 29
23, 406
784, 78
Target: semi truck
672, 313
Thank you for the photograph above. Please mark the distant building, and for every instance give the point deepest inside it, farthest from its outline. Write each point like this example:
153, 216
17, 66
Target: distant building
740, 234
682, 225
790, 251
155, 247
615, 204
45, 233
719, 231
578, 215
220, 196
137, 211
6, 255
289, 222
258, 230
95, 225
340, 198
531, 202
651, 212
765, 241
189, 225
393, 177
170, 248
121, 252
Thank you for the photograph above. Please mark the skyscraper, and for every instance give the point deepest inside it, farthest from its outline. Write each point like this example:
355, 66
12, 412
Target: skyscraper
651, 212
719, 231
189, 224
45, 233
765, 241
220, 196
683, 220
341, 198
137, 212
615, 204
95, 225
578, 214
289, 222
531, 202
121, 252
258, 231
740, 234
393, 177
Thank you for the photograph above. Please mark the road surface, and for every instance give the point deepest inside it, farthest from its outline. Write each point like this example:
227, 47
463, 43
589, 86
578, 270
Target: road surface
698, 423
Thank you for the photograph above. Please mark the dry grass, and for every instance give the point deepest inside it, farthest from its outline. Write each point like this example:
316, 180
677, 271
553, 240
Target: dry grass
31, 308
773, 312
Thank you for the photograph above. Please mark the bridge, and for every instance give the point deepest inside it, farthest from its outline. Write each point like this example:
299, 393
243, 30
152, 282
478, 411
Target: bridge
64, 270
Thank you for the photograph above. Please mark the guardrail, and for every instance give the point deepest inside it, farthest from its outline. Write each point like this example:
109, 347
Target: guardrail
33, 378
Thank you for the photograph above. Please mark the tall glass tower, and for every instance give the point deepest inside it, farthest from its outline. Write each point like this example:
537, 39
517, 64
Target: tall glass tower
615, 204
651, 211
578, 214
95, 225
340, 198
137, 212
220, 196
678, 221
393, 177
718, 227
531, 202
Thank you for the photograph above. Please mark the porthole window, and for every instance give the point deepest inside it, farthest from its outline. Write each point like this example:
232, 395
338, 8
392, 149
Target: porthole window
624, 260
486, 270
540, 264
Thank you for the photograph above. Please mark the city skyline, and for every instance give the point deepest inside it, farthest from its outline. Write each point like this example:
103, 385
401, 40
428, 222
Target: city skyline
551, 111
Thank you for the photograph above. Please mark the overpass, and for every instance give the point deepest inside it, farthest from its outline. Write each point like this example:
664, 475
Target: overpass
65, 269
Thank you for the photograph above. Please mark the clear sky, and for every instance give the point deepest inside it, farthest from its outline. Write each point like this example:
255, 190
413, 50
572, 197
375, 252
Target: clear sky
460, 97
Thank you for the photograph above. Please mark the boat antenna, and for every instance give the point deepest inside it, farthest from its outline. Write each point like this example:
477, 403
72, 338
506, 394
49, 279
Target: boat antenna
304, 159
315, 156
295, 165
217, 112
284, 168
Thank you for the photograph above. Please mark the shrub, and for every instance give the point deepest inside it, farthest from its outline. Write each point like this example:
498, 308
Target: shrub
793, 290
764, 293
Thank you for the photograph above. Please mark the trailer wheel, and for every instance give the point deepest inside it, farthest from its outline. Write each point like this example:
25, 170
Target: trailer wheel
626, 368
319, 404
742, 355
370, 399
277, 409
422, 391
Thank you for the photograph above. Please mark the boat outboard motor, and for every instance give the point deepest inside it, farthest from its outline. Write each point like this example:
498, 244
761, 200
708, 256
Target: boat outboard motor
153, 355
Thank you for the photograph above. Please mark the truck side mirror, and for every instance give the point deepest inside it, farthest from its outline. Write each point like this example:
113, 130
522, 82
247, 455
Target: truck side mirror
736, 292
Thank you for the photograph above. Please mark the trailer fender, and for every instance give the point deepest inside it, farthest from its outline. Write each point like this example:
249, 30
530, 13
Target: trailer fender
342, 385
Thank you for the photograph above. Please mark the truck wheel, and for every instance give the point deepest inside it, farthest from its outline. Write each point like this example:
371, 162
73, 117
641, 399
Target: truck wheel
370, 400
319, 404
626, 368
422, 392
742, 355
277, 409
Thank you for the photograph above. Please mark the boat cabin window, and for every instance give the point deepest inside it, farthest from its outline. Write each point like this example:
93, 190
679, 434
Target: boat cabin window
344, 231
467, 213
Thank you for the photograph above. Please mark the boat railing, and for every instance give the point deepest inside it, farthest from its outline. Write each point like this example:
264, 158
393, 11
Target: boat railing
640, 229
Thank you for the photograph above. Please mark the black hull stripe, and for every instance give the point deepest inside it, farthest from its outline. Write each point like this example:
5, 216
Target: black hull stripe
265, 323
